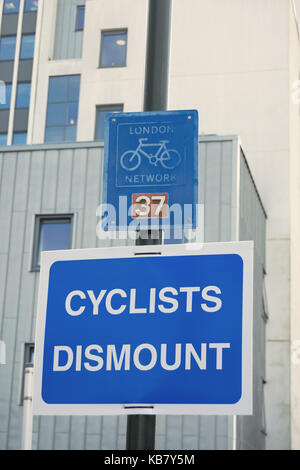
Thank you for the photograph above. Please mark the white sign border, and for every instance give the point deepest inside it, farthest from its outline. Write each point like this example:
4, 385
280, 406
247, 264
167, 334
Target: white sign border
243, 407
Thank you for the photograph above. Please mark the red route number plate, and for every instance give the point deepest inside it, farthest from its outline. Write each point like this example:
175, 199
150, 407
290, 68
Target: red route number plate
150, 205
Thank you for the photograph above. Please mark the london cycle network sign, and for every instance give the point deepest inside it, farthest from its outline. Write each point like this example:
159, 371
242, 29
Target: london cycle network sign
151, 160
167, 333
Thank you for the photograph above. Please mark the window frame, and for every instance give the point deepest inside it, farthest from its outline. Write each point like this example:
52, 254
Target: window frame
28, 353
79, 8
67, 102
109, 109
39, 219
107, 32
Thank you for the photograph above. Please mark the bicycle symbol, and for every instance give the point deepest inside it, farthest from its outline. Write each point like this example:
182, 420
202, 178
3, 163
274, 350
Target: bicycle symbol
168, 158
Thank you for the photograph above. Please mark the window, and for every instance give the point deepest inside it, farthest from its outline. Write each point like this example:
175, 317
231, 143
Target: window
19, 138
5, 96
101, 113
31, 5
28, 354
80, 18
3, 139
11, 6
28, 359
52, 232
7, 47
113, 49
23, 95
62, 110
27, 46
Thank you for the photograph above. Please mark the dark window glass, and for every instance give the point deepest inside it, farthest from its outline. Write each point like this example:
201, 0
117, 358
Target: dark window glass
31, 5
5, 95
113, 49
27, 46
51, 233
29, 354
101, 113
23, 95
7, 47
11, 6
19, 138
80, 18
62, 110
28, 360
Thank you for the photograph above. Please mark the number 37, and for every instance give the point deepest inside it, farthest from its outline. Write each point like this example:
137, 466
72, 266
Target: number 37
150, 205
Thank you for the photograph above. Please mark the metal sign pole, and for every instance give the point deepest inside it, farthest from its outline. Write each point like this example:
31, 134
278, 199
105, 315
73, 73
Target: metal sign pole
141, 428
27, 410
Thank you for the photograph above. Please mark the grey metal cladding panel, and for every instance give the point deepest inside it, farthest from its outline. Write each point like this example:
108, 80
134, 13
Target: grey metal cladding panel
64, 181
68, 42
15, 297
33, 182
252, 214
79, 170
216, 188
252, 226
49, 181
92, 197
249, 428
9, 24
8, 178
6, 71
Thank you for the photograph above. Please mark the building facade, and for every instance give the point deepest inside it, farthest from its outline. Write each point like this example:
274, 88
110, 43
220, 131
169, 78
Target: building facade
66, 63
49, 196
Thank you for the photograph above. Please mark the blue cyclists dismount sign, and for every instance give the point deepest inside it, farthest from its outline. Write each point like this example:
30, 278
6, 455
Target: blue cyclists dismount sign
151, 164
123, 331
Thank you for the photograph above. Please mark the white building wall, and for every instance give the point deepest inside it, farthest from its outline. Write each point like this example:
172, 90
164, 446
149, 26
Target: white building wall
230, 60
